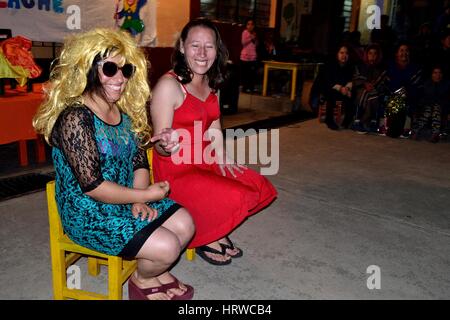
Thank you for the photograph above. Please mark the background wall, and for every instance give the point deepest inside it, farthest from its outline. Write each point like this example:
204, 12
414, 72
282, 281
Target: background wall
171, 16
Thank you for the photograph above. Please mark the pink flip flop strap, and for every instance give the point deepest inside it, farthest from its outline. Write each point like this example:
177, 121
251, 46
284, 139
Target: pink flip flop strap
147, 291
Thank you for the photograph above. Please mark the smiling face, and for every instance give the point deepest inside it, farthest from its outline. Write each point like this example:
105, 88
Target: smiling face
402, 54
199, 49
113, 86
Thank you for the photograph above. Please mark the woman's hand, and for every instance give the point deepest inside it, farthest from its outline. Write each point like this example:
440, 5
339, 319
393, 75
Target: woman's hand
144, 211
368, 86
158, 190
167, 139
345, 91
231, 167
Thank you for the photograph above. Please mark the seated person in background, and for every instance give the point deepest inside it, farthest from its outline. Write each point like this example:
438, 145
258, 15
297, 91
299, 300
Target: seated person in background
268, 51
441, 55
368, 86
401, 72
336, 85
435, 99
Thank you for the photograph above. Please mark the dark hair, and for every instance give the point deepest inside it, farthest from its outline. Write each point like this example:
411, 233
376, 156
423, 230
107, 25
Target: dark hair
248, 19
374, 46
93, 84
332, 58
436, 66
401, 44
341, 45
217, 71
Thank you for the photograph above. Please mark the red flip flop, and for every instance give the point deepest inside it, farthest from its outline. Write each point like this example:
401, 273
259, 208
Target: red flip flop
176, 285
136, 293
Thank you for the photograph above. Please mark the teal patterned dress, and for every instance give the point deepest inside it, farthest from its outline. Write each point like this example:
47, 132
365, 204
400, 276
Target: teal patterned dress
86, 152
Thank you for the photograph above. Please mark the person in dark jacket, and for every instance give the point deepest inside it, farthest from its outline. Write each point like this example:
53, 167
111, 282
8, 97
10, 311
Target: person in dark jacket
434, 103
368, 81
337, 86
403, 73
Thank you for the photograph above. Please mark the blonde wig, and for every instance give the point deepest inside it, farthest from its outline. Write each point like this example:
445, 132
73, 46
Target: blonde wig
68, 79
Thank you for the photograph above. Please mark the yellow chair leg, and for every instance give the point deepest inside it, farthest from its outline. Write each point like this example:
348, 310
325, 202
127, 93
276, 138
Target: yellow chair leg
59, 273
190, 254
114, 278
93, 266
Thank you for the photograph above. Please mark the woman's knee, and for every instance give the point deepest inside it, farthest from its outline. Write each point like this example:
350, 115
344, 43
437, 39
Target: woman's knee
162, 246
182, 224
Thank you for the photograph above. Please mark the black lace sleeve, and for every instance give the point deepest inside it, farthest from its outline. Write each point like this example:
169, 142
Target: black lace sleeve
140, 160
74, 134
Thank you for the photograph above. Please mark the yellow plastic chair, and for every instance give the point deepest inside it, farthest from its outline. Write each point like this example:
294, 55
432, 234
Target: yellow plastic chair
64, 252
190, 253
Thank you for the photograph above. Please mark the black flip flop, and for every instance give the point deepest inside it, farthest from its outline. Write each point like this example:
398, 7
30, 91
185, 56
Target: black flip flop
231, 247
200, 251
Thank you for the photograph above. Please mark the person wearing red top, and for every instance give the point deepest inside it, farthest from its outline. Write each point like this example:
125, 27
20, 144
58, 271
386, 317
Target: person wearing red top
218, 193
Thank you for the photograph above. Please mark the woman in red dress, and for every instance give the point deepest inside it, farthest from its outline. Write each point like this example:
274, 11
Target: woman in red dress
190, 153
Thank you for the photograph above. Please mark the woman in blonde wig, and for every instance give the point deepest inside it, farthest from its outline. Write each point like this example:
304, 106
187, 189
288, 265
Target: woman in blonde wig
94, 117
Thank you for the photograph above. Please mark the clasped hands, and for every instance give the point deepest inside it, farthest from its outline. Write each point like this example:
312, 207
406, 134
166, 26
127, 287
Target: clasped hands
168, 140
157, 191
346, 91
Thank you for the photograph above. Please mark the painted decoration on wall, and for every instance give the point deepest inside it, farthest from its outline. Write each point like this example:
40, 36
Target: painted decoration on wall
132, 22
53, 20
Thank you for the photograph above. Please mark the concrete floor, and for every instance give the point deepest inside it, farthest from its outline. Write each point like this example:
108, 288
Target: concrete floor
346, 202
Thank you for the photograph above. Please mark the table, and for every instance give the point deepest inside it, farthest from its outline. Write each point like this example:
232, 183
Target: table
17, 109
292, 66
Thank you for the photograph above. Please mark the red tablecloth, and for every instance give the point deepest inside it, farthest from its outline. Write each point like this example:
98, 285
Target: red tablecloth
17, 109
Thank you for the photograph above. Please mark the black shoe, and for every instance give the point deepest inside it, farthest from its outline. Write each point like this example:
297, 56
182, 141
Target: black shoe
231, 246
200, 251
332, 125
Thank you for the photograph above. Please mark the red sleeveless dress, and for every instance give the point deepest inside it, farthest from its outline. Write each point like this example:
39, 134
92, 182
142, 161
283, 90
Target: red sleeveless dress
217, 203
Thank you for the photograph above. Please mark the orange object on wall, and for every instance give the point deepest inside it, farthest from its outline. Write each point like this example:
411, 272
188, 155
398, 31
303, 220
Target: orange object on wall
18, 52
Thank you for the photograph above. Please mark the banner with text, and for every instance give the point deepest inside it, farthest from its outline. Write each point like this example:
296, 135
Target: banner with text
53, 20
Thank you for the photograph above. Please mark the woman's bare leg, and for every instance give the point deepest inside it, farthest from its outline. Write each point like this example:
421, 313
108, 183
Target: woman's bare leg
155, 257
161, 250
